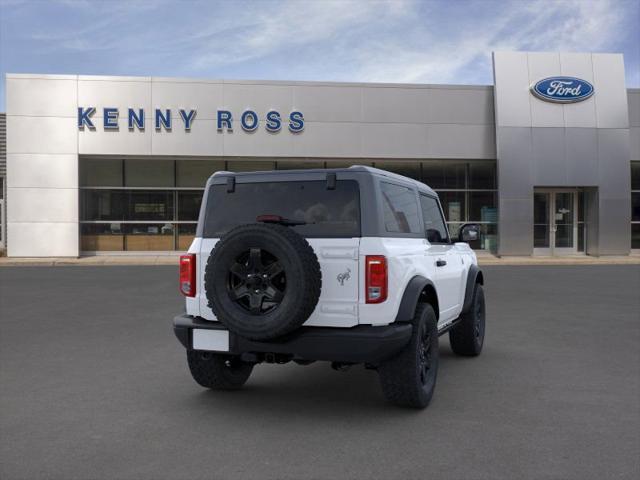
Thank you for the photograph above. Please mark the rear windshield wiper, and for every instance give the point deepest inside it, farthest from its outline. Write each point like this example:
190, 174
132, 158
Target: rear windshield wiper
287, 222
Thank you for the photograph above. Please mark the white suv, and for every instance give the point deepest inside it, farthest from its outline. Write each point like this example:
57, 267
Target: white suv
351, 265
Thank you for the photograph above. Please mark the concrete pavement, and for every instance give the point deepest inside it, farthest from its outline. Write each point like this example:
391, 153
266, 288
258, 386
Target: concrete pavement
93, 385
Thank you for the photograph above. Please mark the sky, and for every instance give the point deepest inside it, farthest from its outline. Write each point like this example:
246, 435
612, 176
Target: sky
403, 41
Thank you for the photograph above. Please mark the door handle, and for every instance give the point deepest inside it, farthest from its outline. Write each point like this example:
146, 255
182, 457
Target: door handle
441, 263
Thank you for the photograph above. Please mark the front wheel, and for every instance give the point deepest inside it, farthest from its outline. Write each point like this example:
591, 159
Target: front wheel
216, 371
409, 378
467, 337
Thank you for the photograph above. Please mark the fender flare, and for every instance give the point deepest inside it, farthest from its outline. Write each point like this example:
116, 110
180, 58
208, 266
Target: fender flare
411, 297
474, 276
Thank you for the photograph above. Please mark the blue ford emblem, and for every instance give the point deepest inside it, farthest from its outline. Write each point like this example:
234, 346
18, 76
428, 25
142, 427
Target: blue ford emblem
562, 89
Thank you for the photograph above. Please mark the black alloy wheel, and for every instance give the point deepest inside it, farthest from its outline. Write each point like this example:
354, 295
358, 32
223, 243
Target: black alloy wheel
257, 281
478, 320
467, 337
424, 357
262, 281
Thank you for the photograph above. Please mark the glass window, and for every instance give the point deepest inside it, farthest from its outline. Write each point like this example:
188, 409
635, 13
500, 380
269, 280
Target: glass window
400, 209
186, 233
408, 169
298, 164
189, 205
581, 235
482, 207
324, 213
100, 172
150, 205
149, 237
488, 237
250, 166
482, 175
635, 206
453, 205
195, 173
635, 175
434, 226
444, 174
635, 235
149, 173
103, 205
101, 237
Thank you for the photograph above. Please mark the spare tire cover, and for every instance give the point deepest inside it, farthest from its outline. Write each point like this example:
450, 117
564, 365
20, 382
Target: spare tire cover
262, 280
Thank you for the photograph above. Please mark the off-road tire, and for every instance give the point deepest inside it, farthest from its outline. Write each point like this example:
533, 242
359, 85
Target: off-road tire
467, 337
301, 269
402, 378
216, 371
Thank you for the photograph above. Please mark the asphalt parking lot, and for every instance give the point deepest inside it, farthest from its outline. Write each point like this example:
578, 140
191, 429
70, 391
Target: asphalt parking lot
93, 385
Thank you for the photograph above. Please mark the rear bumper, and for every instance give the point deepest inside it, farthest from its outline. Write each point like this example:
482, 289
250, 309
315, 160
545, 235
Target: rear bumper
360, 344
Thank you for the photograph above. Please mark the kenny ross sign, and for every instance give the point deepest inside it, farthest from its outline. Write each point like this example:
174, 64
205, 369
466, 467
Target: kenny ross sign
162, 119
562, 89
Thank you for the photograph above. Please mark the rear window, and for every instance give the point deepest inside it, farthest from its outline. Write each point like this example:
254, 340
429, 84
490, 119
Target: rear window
327, 213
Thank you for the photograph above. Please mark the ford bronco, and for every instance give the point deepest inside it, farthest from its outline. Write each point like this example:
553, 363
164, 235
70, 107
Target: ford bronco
351, 266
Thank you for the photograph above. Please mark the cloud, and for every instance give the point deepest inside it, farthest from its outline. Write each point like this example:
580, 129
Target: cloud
413, 41
571, 25
259, 32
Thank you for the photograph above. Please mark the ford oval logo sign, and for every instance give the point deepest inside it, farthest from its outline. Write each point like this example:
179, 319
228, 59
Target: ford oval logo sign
562, 89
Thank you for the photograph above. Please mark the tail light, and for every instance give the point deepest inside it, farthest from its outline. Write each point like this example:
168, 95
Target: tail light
376, 278
188, 275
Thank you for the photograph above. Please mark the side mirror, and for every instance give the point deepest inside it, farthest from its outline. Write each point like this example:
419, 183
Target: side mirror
469, 232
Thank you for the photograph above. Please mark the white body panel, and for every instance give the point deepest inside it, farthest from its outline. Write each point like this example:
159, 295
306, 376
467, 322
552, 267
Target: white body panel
338, 303
342, 300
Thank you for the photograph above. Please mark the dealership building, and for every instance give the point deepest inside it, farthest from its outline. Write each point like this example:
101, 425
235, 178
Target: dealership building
547, 159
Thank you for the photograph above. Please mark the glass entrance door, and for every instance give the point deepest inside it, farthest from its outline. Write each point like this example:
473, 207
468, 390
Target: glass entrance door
555, 222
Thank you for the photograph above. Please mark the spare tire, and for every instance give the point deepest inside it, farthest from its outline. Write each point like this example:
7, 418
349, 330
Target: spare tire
262, 280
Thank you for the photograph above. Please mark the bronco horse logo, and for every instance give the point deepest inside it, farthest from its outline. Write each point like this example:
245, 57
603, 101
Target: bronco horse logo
343, 277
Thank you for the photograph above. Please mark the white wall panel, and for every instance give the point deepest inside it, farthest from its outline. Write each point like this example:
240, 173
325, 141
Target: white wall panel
203, 139
42, 171
579, 114
395, 105
512, 89
206, 98
43, 204
461, 105
42, 239
41, 135
544, 114
634, 140
633, 96
321, 103
259, 143
612, 109
43, 97
327, 140
393, 139
259, 98
116, 142
115, 93
461, 141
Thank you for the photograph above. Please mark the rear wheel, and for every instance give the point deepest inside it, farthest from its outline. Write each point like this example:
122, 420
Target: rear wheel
218, 372
409, 378
467, 337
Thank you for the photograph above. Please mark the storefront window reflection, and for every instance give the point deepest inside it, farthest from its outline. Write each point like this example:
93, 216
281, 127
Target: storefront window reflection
135, 204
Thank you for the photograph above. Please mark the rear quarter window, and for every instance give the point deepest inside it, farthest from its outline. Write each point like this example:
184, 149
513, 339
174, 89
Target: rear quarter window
400, 209
327, 213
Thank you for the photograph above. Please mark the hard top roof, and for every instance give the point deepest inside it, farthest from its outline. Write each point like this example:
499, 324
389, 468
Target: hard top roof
315, 171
